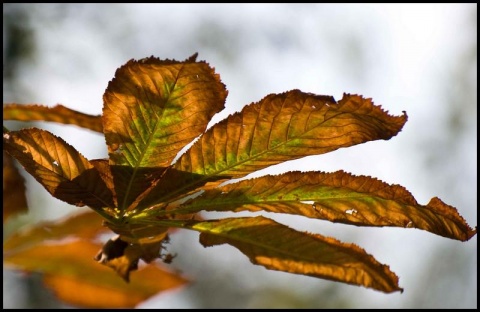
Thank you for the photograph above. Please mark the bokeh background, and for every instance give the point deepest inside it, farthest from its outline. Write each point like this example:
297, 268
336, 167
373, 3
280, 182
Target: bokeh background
418, 58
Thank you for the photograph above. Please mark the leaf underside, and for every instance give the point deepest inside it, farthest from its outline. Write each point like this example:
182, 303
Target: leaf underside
278, 247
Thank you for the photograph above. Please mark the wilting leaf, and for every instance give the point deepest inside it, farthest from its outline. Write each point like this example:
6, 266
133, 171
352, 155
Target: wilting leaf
123, 255
75, 278
63, 171
14, 199
152, 109
85, 225
119, 256
58, 113
337, 197
278, 247
283, 127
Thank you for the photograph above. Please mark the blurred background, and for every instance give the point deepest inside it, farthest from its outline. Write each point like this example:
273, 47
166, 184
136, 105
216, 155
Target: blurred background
418, 58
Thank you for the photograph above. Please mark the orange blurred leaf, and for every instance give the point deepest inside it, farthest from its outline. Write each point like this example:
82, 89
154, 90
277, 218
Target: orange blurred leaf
58, 113
77, 279
14, 199
85, 225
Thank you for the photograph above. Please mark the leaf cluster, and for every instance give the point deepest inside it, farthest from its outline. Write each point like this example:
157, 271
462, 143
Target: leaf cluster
146, 187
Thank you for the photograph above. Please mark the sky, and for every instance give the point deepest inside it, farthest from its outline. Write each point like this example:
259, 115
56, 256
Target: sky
418, 58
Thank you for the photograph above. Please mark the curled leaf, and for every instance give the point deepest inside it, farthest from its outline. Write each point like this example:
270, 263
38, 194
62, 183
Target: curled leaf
122, 253
118, 255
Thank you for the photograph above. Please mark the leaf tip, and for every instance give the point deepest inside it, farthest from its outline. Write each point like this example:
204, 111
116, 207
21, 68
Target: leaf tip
192, 58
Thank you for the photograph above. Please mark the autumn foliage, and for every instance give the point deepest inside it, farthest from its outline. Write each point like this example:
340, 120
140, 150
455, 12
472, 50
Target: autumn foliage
152, 109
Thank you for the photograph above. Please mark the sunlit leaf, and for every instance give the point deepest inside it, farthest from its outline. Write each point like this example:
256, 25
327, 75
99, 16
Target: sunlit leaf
75, 278
58, 113
283, 127
61, 169
337, 197
14, 199
278, 247
152, 109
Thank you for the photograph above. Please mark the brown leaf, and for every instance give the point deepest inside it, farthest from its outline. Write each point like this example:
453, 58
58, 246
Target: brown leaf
278, 247
133, 243
61, 169
284, 127
173, 185
337, 197
14, 199
58, 113
120, 256
152, 109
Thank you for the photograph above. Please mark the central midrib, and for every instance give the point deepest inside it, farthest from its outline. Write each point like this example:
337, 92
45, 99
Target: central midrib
149, 141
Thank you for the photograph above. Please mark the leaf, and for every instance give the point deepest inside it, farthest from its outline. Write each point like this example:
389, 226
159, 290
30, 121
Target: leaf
123, 255
85, 225
278, 247
63, 171
152, 109
77, 279
119, 256
14, 199
58, 113
338, 197
174, 185
284, 127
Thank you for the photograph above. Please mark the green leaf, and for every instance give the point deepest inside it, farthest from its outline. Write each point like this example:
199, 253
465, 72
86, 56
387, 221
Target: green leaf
58, 113
338, 197
152, 109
